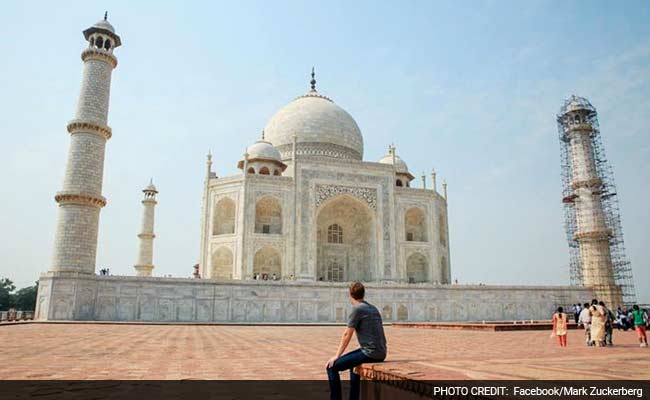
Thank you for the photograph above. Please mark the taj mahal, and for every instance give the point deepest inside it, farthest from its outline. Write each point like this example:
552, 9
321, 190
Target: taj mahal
281, 239
308, 207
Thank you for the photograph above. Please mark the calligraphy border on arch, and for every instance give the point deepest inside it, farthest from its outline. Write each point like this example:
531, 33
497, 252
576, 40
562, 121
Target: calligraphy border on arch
367, 195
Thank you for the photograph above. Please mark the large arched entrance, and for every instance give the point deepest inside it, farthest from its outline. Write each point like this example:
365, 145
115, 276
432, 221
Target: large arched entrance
346, 244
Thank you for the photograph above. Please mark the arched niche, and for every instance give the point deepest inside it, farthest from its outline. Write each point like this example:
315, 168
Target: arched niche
268, 215
442, 229
416, 268
267, 262
222, 261
415, 226
402, 313
224, 217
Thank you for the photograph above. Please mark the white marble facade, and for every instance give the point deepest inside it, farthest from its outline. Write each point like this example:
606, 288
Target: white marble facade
70, 296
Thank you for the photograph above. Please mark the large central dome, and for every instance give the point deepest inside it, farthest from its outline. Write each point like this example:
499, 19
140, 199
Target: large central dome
322, 129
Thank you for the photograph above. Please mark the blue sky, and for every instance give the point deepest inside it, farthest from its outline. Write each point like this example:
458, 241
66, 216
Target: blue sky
470, 88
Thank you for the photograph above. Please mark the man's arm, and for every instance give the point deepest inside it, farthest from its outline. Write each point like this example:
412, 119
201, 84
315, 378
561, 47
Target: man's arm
345, 340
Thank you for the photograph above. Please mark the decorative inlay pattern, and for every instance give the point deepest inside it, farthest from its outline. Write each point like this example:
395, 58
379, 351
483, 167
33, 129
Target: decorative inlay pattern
367, 195
319, 149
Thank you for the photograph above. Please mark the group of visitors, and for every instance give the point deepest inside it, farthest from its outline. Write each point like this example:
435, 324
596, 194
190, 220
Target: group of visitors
625, 318
598, 322
104, 272
265, 277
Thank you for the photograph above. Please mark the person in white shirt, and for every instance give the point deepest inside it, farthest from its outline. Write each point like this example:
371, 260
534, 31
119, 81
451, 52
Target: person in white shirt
585, 320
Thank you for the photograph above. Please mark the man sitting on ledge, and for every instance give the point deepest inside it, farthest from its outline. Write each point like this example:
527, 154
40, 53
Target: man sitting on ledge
365, 319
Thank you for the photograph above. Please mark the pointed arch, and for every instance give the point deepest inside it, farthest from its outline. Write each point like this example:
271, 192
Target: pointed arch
268, 261
442, 229
268, 215
387, 313
221, 264
345, 240
224, 217
402, 313
416, 268
415, 225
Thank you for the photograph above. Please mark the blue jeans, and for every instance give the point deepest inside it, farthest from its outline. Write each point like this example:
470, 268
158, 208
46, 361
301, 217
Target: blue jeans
347, 361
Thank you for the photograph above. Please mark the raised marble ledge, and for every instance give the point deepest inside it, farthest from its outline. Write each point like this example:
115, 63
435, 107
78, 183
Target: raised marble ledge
297, 283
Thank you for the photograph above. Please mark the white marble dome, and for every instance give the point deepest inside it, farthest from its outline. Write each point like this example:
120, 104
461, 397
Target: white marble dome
400, 165
322, 128
263, 150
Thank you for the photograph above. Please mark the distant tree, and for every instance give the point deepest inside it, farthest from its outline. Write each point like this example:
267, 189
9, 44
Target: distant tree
7, 300
25, 298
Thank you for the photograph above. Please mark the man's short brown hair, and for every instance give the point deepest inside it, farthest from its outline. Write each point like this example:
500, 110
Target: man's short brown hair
357, 291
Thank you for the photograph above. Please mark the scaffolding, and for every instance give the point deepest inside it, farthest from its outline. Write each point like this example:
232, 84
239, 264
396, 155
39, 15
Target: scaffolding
591, 212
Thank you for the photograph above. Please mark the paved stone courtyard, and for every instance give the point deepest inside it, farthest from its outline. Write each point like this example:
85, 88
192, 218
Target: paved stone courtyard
120, 351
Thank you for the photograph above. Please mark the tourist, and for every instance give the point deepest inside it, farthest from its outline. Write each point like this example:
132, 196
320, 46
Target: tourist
576, 312
585, 321
598, 319
609, 324
365, 320
621, 319
560, 326
640, 320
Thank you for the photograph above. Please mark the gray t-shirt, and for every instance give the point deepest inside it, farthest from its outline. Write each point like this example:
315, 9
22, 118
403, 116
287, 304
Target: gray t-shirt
366, 321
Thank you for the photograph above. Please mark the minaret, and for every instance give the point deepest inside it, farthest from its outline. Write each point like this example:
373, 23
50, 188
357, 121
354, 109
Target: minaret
434, 184
80, 199
591, 225
144, 265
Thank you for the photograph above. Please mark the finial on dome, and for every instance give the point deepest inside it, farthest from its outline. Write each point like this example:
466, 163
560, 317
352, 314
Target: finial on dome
262, 134
105, 15
313, 79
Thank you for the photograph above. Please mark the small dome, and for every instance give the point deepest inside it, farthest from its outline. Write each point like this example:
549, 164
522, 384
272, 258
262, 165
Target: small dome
400, 165
263, 150
321, 127
105, 27
103, 24
576, 103
150, 187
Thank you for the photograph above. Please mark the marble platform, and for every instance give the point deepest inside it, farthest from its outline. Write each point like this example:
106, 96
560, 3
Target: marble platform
84, 297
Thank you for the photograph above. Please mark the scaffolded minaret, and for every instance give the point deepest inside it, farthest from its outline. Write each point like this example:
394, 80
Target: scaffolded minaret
81, 199
597, 254
144, 266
